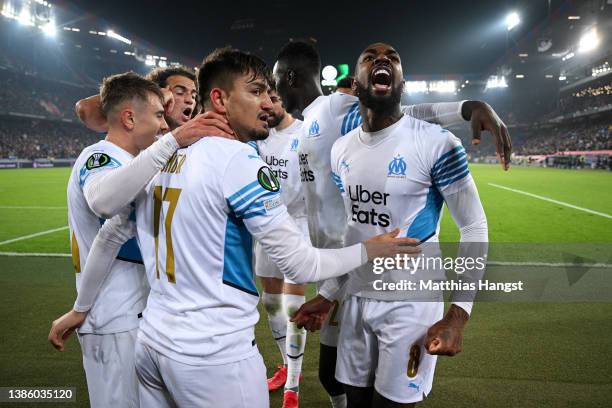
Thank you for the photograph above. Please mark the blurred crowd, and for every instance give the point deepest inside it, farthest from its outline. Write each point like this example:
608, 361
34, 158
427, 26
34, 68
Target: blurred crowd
595, 95
34, 96
581, 136
60, 134
31, 139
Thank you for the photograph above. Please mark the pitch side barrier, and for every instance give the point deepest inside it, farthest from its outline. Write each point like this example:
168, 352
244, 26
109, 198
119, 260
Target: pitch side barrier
36, 163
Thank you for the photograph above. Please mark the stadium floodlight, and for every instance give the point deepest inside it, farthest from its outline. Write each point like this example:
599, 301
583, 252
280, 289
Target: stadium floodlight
519, 76
112, 34
568, 56
589, 41
162, 64
573, 17
412, 87
562, 77
495, 81
512, 20
150, 62
443, 86
49, 29
25, 17
329, 76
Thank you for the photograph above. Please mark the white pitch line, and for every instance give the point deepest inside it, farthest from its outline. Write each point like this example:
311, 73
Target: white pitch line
43, 254
38, 234
575, 207
29, 207
549, 264
490, 263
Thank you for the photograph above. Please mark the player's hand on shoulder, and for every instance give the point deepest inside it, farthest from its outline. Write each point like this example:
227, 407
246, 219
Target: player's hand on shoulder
312, 314
483, 117
389, 244
203, 125
445, 337
63, 327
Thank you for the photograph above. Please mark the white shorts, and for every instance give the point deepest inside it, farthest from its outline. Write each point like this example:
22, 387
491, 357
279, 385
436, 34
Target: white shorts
264, 267
329, 333
382, 344
164, 382
108, 360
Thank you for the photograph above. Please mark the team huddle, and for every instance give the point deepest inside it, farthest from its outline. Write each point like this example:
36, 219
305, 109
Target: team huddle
205, 180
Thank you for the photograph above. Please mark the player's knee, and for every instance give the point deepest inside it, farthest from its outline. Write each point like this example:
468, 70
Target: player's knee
272, 303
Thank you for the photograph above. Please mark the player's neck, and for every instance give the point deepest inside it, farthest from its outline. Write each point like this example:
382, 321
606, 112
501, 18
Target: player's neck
373, 121
310, 92
122, 140
285, 123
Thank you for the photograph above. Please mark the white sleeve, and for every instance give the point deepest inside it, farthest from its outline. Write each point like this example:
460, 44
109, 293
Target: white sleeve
299, 261
112, 190
111, 236
330, 288
444, 114
253, 197
466, 209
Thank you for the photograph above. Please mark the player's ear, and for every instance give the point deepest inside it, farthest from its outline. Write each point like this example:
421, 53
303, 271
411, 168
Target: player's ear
291, 78
218, 100
126, 116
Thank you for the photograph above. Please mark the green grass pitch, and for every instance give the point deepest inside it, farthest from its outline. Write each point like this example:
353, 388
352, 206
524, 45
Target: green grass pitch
515, 354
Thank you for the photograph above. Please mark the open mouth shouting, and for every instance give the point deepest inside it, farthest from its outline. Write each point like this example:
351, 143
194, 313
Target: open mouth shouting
187, 114
381, 78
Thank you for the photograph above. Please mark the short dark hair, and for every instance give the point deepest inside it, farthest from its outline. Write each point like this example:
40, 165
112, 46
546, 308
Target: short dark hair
345, 82
221, 67
119, 88
302, 54
160, 75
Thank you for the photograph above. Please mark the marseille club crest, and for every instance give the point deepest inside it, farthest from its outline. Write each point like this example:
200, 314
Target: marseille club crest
397, 167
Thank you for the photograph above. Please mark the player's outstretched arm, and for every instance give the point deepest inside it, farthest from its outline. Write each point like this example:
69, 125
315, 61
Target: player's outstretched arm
302, 263
114, 233
110, 191
483, 117
480, 115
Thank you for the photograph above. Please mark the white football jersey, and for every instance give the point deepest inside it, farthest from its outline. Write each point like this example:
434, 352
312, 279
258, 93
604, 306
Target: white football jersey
326, 119
194, 225
280, 151
123, 295
397, 178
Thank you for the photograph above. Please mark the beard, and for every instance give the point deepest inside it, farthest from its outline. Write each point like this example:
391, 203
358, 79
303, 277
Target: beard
255, 134
376, 103
274, 120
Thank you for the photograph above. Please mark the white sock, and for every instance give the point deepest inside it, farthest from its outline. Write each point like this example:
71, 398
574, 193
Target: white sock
273, 303
295, 344
338, 401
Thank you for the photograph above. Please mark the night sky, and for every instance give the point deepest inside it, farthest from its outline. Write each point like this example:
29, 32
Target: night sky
433, 37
